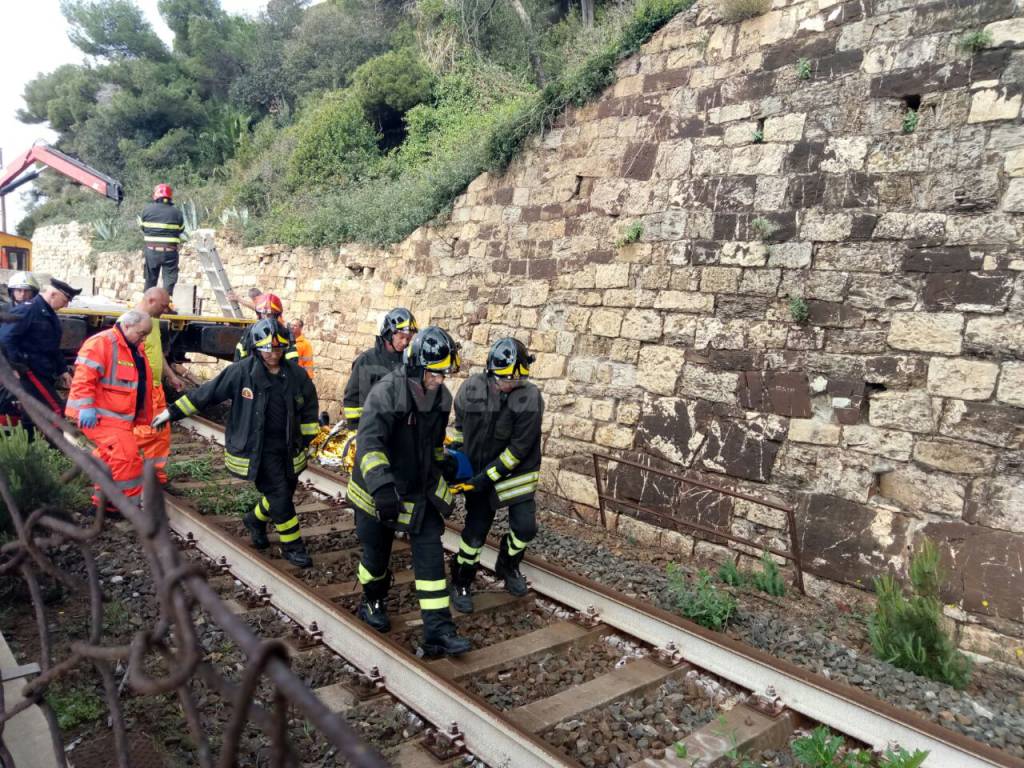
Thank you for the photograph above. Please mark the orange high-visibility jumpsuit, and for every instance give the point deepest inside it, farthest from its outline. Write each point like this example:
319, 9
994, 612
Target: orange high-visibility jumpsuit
155, 443
305, 350
107, 379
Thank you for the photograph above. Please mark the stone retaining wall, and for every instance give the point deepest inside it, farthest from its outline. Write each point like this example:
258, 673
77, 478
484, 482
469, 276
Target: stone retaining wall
894, 410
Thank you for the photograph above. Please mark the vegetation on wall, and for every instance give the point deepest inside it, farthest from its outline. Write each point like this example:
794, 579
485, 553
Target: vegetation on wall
312, 120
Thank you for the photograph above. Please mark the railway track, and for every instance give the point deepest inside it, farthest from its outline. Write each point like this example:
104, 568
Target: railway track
473, 709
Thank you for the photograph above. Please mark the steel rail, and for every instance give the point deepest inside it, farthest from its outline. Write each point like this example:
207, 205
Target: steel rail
847, 709
487, 733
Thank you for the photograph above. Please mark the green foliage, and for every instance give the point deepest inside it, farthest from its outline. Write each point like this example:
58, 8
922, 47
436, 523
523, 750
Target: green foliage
680, 750
74, 705
738, 10
769, 578
764, 229
729, 574
910, 121
632, 234
907, 631
823, 749
975, 41
390, 85
648, 17
198, 468
798, 309
898, 757
758, 137
224, 499
803, 69
334, 144
106, 229
699, 600
33, 471
112, 29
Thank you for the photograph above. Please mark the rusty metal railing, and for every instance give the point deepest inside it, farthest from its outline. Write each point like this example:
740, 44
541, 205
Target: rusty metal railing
180, 591
700, 530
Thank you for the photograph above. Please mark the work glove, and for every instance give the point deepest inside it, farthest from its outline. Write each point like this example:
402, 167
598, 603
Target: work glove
388, 504
161, 418
88, 417
479, 482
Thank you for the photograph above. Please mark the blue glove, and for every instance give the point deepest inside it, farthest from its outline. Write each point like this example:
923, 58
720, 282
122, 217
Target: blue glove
88, 417
464, 469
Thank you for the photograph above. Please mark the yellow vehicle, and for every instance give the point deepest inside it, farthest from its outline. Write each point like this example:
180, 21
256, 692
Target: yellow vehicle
15, 252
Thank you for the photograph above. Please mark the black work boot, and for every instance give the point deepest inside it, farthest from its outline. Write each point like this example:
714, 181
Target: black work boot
440, 638
507, 568
373, 607
462, 585
257, 530
295, 553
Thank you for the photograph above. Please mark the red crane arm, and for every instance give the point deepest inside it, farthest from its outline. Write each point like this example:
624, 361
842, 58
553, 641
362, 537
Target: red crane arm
69, 166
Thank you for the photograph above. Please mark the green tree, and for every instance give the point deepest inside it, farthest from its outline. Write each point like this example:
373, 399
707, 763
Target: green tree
65, 97
180, 14
390, 85
334, 145
112, 29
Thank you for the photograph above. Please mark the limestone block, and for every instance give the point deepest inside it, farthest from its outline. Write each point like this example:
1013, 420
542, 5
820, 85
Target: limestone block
611, 275
961, 378
628, 297
1009, 32
1013, 200
548, 366
813, 431
788, 127
845, 154
604, 410
924, 492
890, 443
680, 329
642, 324
574, 427
997, 502
770, 193
720, 279
685, 301
954, 456
927, 332
989, 423
792, 255
704, 383
719, 334
908, 411
926, 227
996, 335
1011, 384
760, 282
825, 226
758, 159
659, 367
628, 412
740, 254
612, 436
606, 322
1013, 162
577, 487
986, 642
994, 104
532, 294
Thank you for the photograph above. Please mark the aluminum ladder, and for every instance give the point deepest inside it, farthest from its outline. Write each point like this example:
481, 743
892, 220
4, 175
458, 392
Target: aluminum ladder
211, 264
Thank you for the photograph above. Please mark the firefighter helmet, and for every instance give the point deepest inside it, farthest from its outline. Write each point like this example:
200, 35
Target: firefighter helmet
23, 280
268, 333
509, 359
398, 319
161, 191
432, 349
269, 304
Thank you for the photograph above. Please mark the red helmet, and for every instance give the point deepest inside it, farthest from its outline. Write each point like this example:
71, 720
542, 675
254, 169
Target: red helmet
269, 304
160, 191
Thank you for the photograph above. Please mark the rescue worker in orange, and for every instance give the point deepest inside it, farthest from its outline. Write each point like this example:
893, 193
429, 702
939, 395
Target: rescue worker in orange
110, 395
156, 443
302, 346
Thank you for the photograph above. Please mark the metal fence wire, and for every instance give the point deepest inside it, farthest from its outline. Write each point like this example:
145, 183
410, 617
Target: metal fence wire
181, 592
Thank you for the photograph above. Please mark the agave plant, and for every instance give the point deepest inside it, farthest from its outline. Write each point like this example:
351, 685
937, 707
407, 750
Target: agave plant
106, 229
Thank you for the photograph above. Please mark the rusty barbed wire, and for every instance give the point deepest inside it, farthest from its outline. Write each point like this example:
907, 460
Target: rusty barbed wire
179, 588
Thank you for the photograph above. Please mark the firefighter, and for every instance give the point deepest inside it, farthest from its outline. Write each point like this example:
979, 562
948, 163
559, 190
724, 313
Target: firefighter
372, 365
22, 288
155, 444
110, 395
397, 484
267, 305
32, 345
273, 418
302, 346
497, 422
162, 227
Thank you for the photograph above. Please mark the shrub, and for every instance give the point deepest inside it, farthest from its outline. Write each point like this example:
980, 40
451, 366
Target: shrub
334, 144
907, 631
798, 309
738, 10
764, 229
74, 706
33, 471
699, 600
769, 578
910, 121
803, 69
631, 234
823, 749
975, 41
729, 574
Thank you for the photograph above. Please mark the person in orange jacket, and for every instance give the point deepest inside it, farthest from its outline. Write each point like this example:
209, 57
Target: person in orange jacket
110, 395
302, 346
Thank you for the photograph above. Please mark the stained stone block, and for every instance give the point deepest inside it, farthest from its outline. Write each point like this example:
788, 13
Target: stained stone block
923, 492
907, 411
988, 423
927, 332
954, 456
960, 378
1011, 384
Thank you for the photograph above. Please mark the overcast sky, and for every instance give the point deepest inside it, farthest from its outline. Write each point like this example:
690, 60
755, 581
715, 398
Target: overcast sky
35, 41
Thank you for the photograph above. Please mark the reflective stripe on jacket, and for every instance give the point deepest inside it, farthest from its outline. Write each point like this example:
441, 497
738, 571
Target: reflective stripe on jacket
161, 224
370, 367
106, 379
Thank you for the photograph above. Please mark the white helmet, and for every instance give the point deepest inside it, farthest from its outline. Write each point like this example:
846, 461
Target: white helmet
23, 280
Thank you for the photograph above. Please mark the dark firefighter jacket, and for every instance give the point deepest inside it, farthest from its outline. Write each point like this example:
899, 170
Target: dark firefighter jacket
162, 224
401, 441
370, 367
244, 346
33, 341
500, 434
247, 384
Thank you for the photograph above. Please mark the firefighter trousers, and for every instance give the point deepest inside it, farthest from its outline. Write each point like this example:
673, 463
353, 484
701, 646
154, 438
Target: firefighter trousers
43, 389
427, 562
157, 260
277, 485
522, 523
155, 443
117, 447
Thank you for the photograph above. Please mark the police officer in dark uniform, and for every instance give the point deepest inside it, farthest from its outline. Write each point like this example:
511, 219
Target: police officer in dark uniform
273, 419
32, 345
397, 484
162, 227
498, 418
372, 365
